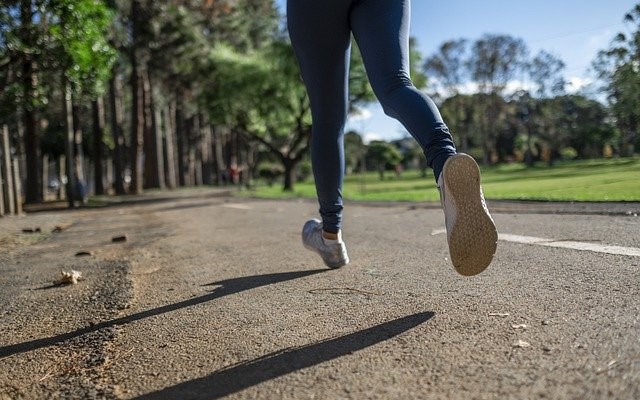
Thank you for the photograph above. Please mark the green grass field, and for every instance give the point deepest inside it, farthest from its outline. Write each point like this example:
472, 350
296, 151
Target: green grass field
585, 180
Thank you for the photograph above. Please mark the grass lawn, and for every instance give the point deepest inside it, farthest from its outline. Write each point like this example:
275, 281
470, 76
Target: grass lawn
584, 180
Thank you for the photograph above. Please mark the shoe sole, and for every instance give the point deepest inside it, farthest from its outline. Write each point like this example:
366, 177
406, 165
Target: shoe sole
473, 238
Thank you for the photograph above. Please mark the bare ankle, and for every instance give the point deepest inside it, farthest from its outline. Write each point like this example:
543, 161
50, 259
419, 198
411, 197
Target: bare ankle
329, 235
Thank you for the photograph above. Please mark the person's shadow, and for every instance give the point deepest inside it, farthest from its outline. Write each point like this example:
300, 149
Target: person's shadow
237, 377
227, 287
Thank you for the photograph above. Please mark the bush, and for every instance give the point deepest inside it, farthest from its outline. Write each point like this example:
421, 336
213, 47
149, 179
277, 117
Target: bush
568, 153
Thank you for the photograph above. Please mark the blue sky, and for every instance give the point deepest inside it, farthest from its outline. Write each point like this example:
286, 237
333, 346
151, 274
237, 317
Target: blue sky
572, 30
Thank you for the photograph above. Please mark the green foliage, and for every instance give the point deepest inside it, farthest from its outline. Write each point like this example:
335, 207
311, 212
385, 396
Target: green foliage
62, 36
568, 153
545, 71
245, 25
448, 65
384, 155
79, 29
360, 90
354, 150
418, 77
494, 61
619, 68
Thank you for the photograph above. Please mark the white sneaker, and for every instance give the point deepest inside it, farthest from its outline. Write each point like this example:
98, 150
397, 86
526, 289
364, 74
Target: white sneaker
471, 232
334, 255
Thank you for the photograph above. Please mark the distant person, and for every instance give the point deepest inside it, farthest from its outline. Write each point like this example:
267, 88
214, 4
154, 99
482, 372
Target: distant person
320, 32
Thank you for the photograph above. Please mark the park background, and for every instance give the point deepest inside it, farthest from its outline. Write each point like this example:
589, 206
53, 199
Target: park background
133, 96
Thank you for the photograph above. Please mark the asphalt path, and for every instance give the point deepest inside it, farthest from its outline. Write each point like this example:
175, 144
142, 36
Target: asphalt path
215, 297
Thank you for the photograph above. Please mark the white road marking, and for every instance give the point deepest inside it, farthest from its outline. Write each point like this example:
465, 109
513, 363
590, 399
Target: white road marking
565, 244
570, 244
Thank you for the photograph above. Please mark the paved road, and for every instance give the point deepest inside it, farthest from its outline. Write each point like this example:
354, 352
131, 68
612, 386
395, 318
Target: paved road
214, 297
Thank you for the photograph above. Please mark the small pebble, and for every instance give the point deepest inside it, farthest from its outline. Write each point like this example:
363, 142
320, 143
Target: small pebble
522, 344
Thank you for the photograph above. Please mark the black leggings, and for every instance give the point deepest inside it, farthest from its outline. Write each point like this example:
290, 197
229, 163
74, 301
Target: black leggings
320, 32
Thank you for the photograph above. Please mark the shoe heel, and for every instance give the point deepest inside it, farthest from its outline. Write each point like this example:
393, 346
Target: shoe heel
473, 237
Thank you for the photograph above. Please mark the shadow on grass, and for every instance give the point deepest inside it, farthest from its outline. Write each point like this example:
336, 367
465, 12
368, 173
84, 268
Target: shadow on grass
227, 287
250, 373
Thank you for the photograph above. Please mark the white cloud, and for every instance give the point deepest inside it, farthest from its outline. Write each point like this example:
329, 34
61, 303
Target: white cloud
360, 114
576, 83
369, 137
473, 87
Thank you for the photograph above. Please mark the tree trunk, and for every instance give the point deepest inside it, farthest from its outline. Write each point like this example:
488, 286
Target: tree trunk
157, 130
8, 183
137, 133
33, 190
98, 133
169, 145
151, 159
206, 150
194, 131
116, 131
69, 167
381, 170
289, 174
79, 171
219, 158
251, 164
137, 106
180, 136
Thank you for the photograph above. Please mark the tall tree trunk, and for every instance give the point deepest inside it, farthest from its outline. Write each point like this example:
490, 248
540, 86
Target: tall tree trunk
137, 133
78, 146
194, 138
33, 192
157, 130
137, 105
250, 164
151, 159
98, 133
69, 143
219, 158
78, 161
116, 131
181, 135
289, 171
170, 146
207, 155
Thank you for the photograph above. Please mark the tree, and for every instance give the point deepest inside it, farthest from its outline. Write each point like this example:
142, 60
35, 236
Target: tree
494, 61
450, 70
65, 37
86, 62
583, 123
545, 71
20, 36
354, 150
619, 69
281, 120
383, 154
